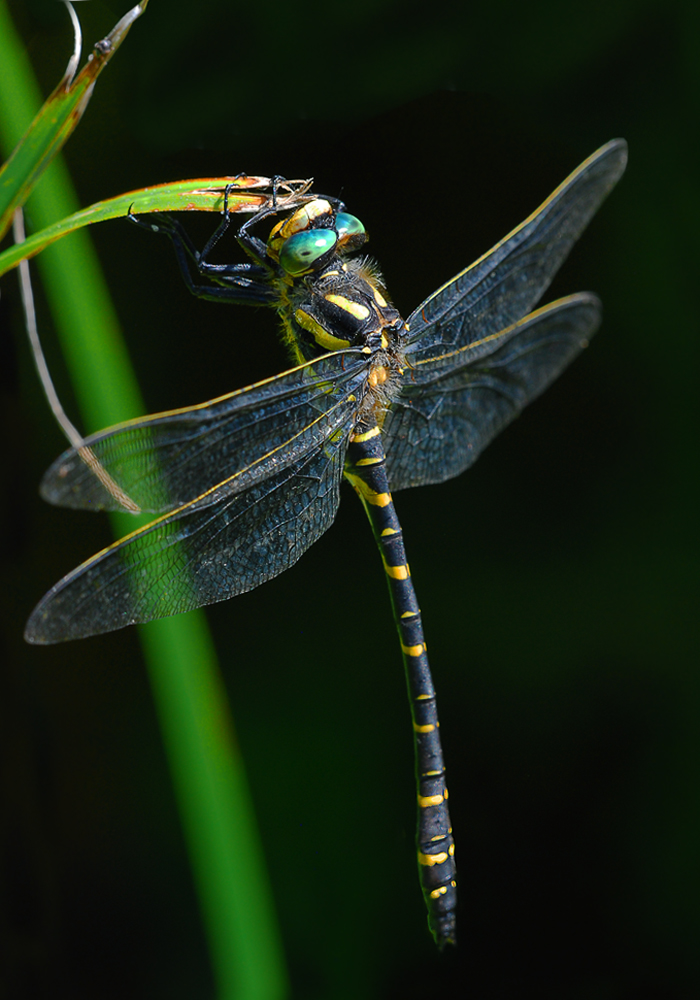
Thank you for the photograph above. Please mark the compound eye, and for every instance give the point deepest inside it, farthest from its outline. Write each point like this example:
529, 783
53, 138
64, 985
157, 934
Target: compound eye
300, 252
348, 225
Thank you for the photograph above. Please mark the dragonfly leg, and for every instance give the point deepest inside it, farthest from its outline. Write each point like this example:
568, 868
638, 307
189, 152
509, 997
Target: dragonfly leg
242, 283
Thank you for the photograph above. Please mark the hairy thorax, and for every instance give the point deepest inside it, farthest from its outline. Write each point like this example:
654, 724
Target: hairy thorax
345, 307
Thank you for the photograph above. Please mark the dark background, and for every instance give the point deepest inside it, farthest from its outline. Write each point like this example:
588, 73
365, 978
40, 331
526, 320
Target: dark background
556, 578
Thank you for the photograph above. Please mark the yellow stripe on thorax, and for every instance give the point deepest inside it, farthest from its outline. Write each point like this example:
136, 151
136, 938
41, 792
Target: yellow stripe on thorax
355, 309
320, 335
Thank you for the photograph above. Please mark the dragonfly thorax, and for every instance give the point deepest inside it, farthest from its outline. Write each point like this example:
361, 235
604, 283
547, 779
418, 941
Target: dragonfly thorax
343, 306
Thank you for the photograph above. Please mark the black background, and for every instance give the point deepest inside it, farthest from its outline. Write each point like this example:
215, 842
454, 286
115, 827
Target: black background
556, 579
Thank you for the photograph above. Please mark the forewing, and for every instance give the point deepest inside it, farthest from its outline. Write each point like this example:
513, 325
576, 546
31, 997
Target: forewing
452, 406
161, 462
199, 554
505, 284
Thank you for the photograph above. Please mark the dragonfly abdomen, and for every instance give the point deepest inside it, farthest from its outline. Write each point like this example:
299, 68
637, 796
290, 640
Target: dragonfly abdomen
366, 470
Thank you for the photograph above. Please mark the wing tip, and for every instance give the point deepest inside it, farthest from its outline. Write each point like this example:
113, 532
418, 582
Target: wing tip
616, 151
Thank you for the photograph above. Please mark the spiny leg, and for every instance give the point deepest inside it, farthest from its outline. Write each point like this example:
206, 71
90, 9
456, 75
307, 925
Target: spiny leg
243, 283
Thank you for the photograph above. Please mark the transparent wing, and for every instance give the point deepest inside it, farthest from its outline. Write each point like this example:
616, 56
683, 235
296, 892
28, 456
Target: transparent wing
163, 461
199, 554
452, 406
505, 284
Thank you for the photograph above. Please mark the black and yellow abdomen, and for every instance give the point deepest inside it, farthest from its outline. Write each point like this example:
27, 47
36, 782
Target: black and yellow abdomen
365, 468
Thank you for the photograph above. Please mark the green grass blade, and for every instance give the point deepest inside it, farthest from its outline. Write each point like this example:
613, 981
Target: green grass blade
207, 771
56, 119
210, 781
205, 194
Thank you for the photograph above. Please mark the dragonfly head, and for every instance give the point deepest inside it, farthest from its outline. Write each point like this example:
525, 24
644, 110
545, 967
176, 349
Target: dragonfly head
306, 240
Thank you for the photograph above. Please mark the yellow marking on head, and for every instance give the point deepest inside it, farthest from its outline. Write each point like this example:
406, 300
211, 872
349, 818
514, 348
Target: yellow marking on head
413, 650
410, 614
440, 836
430, 774
367, 434
384, 340
378, 376
379, 298
321, 336
423, 729
355, 309
296, 223
398, 573
392, 531
432, 859
369, 461
436, 893
451, 850
424, 801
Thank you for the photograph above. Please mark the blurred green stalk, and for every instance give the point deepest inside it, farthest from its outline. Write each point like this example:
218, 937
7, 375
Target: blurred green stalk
206, 768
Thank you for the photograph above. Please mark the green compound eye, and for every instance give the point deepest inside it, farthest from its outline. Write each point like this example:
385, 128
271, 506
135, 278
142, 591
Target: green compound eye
348, 225
301, 251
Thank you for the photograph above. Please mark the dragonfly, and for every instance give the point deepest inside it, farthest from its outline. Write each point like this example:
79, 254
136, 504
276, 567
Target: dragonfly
244, 484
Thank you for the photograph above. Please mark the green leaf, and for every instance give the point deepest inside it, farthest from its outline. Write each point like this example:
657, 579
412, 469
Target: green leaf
56, 121
204, 194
